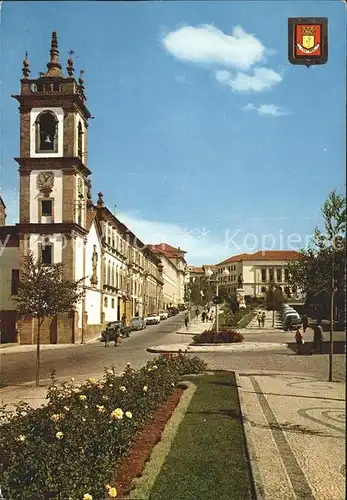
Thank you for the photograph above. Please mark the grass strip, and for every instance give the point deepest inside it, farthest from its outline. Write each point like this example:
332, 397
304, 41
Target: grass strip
144, 484
246, 319
208, 458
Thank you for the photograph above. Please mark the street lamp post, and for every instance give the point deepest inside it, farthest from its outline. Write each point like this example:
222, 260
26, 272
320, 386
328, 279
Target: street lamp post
209, 274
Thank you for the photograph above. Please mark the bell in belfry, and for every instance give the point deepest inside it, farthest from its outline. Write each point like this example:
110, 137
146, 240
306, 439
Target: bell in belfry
48, 140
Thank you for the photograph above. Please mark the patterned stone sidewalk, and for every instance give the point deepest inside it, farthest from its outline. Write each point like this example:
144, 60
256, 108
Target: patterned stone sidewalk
295, 432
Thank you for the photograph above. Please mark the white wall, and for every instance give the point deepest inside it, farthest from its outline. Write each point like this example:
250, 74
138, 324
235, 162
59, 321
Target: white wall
59, 112
9, 259
56, 239
93, 307
57, 194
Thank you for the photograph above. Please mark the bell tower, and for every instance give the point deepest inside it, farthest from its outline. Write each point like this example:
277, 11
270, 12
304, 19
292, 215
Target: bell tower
54, 184
55, 190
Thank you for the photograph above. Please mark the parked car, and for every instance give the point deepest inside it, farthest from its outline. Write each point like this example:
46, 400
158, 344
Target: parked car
152, 319
294, 319
114, 330
174, 311
181, 307
163, 315
137, 323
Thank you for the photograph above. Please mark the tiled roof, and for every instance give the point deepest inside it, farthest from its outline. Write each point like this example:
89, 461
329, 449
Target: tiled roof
274, 255
234, 258
213, 267
167, 250
195, 269
266, 255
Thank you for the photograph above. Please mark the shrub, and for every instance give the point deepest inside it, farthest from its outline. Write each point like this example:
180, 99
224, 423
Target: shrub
70, 447
221, 337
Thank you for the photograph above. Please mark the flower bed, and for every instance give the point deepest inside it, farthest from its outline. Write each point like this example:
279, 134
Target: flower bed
221, 337
70, 448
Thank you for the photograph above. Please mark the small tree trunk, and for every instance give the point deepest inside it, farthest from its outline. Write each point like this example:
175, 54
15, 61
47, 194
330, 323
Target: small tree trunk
39, 322
331, 342
273, 318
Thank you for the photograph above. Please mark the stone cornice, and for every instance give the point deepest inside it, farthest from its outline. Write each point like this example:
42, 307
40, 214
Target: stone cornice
68, 164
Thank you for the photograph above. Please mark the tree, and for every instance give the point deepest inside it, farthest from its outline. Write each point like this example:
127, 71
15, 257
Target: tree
273, 299
321, 269
43, 292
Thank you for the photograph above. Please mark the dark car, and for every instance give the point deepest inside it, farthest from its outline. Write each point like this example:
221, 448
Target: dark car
114, 330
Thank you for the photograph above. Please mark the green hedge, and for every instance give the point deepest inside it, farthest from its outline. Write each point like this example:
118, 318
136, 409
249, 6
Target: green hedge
220, 337
69, 448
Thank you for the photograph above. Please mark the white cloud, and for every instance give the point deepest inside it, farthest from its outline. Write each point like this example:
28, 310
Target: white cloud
241, 53
260, 79
207, 44
201, 248
266, 109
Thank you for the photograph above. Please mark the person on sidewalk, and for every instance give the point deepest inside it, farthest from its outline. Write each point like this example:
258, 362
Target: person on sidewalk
186, 321
259, 319
318, 338
203, 316
299, 338
106, 338
197, 313
263, 317
304, 320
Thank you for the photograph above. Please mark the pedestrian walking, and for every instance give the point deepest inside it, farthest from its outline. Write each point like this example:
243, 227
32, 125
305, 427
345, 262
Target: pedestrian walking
106, 338
318, 338
263, 317
304, 320
197, 312
299, 339
203, 316
186, 321
124, 319
259, 319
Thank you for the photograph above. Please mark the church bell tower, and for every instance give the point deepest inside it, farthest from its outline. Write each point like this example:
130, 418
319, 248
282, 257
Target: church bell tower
55, 190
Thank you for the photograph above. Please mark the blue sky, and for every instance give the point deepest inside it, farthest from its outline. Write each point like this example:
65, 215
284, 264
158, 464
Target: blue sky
203, 130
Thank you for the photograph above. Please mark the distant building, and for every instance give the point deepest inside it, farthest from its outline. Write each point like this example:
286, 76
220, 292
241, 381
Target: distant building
258, 270
174, 273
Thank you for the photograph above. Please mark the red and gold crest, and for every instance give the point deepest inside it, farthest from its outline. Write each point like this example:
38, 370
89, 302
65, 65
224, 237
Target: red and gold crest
308, 40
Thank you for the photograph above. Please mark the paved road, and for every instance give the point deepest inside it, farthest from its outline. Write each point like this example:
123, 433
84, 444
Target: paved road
87, 359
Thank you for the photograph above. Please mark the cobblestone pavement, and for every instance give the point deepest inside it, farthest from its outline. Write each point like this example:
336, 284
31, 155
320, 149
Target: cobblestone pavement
295, 433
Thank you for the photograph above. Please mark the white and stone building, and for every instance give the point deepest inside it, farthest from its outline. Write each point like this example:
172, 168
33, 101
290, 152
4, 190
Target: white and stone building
58, 221
257, 271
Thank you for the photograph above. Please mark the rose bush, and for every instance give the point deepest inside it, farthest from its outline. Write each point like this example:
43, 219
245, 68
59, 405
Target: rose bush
69, 449
221, 337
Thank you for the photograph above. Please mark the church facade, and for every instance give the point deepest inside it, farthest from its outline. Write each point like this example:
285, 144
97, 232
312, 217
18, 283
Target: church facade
59, 222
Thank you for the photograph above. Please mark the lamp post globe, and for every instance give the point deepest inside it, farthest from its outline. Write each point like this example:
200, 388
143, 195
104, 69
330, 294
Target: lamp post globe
208, 273
225, 273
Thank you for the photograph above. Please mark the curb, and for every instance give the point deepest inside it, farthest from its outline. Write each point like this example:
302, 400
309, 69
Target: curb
145, 483
250, 451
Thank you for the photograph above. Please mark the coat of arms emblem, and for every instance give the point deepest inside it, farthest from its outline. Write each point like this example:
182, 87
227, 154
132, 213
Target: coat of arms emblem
308, 40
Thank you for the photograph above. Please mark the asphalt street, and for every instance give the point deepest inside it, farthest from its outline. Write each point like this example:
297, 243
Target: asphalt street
88, 359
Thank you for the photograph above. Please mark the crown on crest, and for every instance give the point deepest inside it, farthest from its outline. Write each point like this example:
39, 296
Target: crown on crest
308, 30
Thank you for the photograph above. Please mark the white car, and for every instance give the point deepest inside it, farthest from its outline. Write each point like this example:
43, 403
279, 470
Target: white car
163, 315
152, 319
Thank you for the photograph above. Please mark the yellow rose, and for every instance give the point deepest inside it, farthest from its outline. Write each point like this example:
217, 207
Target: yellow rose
83, 397
86, 496
145, 388
122, 388
59, 435
117, 414
100, 408
55, 417
128, 414
21, 438
92, 380
112, 492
